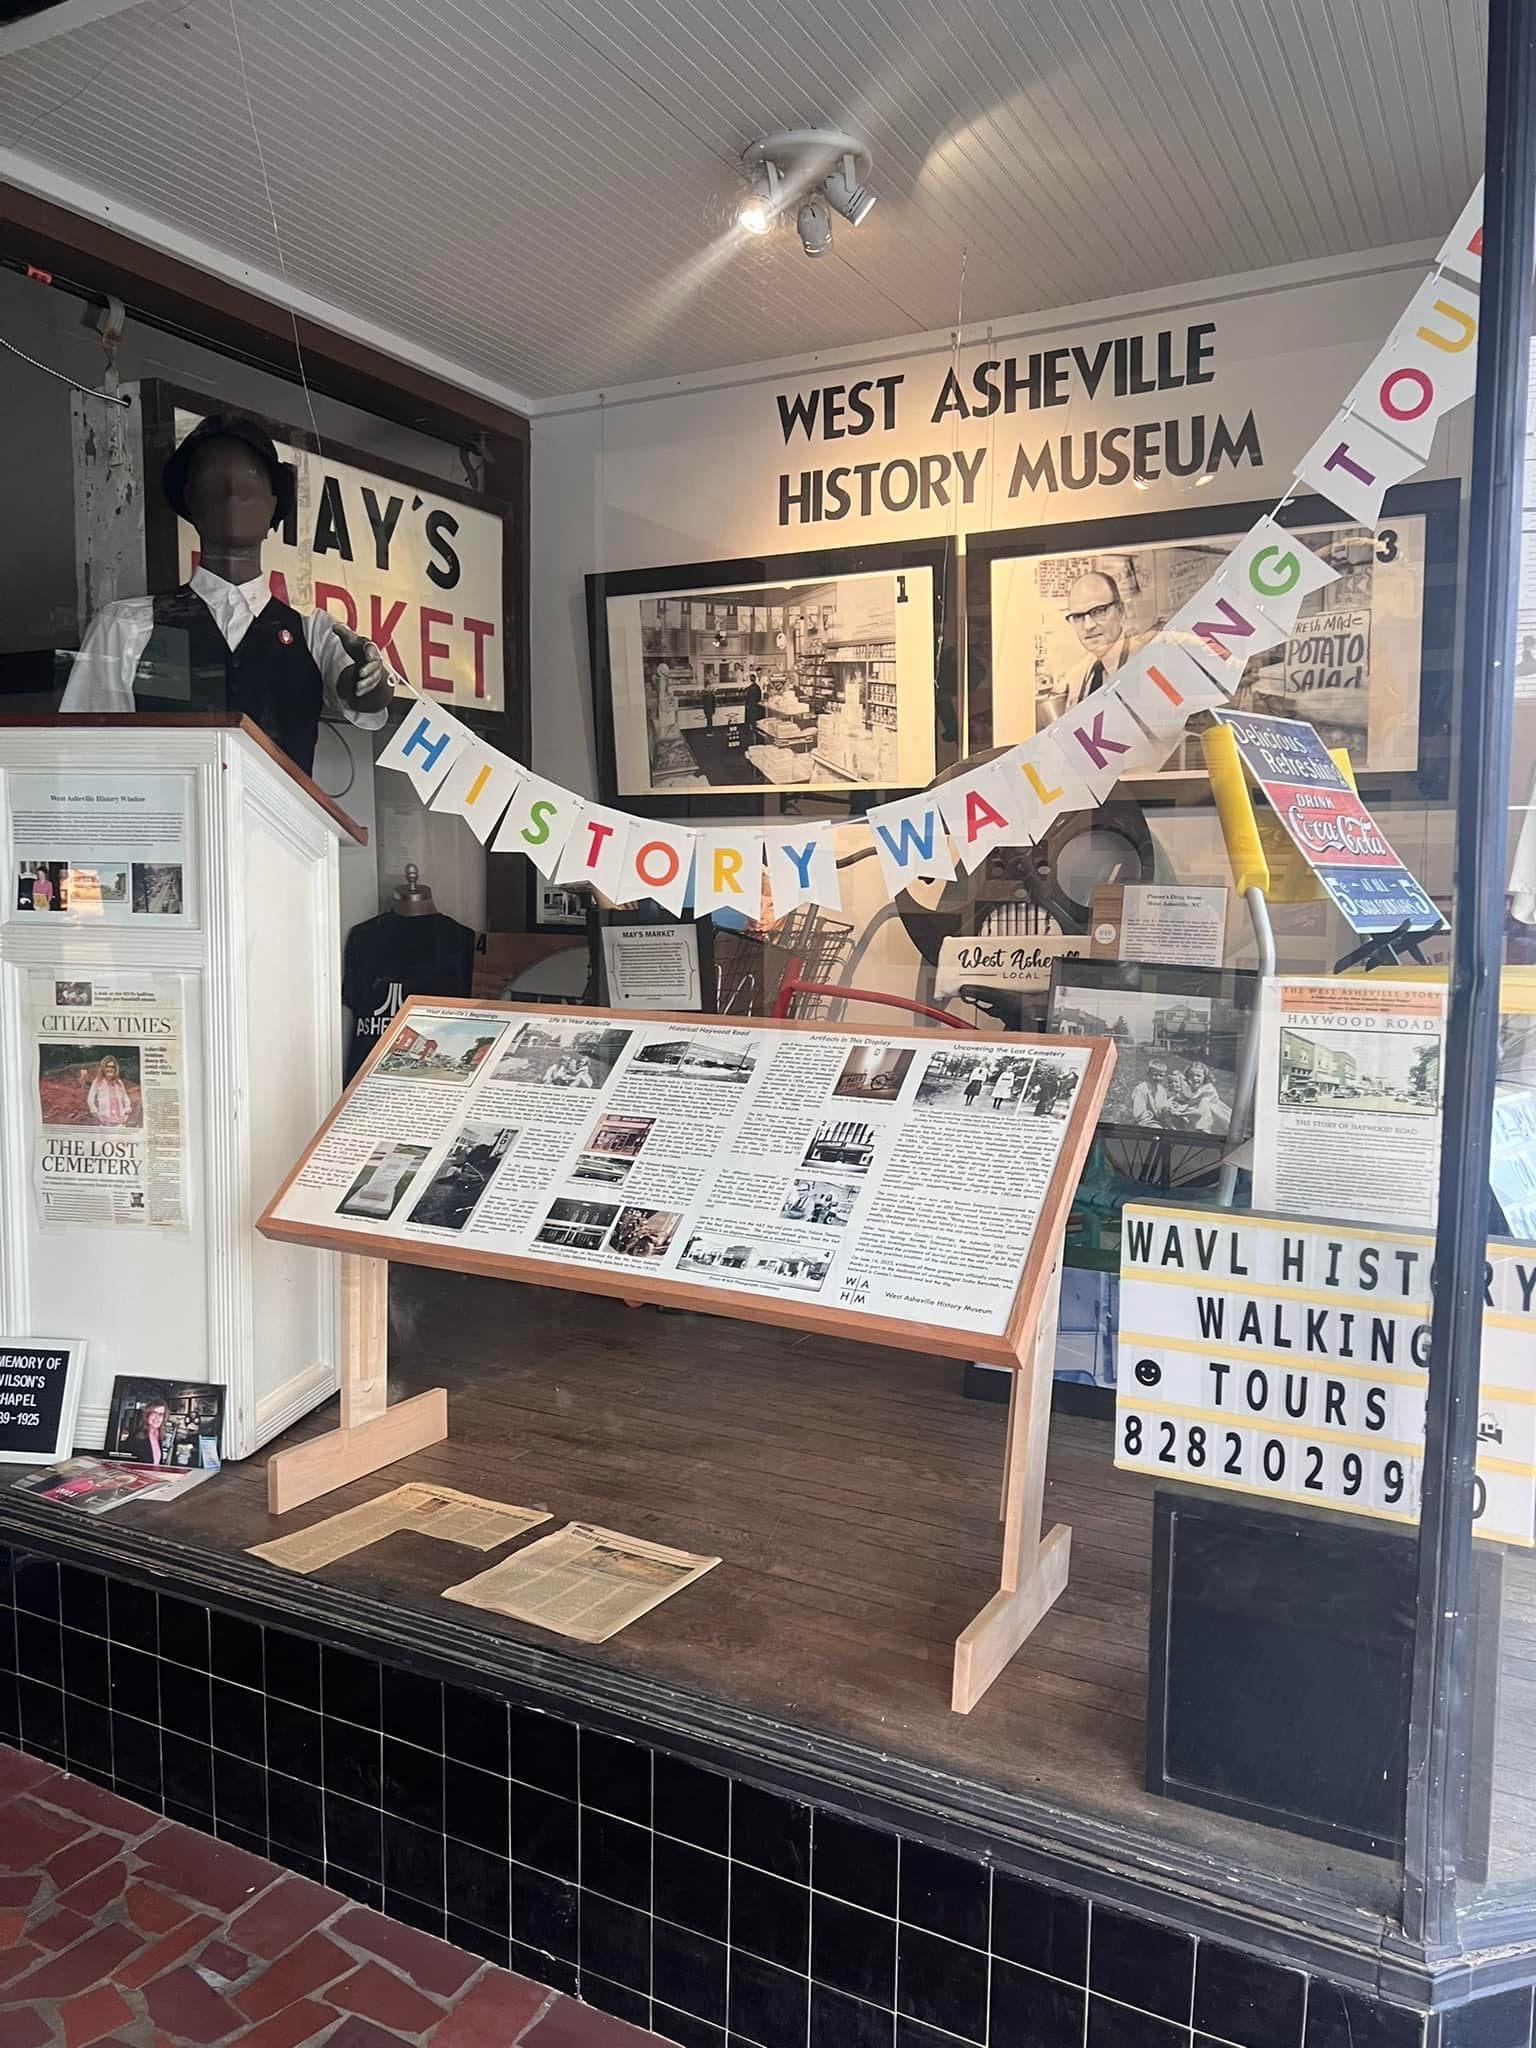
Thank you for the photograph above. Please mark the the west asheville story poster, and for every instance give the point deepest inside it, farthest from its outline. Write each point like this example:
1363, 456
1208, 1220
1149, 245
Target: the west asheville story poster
1063, 625
824, 683
108, 1098
419, 575
895, 1175
1333, 831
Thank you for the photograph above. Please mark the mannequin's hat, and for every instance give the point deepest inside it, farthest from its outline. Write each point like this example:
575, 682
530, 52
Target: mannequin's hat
229, 426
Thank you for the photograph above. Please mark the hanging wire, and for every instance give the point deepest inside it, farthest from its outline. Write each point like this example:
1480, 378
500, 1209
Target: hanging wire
106, 397
343, 566
277, 235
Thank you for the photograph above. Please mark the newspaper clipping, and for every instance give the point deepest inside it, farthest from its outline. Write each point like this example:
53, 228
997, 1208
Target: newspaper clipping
1347, 1119
438, 1511
901, 1177
109, 1146
583, 1582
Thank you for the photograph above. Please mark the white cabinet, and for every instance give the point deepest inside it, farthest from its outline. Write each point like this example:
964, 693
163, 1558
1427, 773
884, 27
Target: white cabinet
245, 945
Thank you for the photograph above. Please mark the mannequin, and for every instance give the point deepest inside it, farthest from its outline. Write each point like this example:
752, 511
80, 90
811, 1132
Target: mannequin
412, 897
222, 642
412, 950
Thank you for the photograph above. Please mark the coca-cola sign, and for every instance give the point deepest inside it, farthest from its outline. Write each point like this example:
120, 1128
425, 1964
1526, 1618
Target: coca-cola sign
1341, 842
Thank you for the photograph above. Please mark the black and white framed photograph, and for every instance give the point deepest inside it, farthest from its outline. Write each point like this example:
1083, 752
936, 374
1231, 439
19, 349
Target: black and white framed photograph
1055, 614
793, 676
175, 1423
39, 1398
1178, 1034
555, 906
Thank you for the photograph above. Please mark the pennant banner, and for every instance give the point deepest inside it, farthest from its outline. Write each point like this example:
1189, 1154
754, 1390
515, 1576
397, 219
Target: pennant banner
980, 811
1462, 249
658, 862
1276, 572
594, 852
1101, 742
1164, 686
728, 871
1428, 366
911, 841
1378, 438
478, 788
802, 868
428, 742
538, 822
1354, 466
1223, 629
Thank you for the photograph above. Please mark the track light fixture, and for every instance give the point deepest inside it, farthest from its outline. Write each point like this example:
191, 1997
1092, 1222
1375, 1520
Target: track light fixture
815, 171
757, 210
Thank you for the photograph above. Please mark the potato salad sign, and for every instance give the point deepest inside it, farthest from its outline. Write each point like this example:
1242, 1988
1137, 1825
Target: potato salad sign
418, 574
1292, 1360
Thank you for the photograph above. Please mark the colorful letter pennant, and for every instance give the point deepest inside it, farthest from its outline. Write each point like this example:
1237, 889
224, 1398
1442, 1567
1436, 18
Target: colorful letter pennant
658, 862
478, 788
728, 872
802, 868
538, 822
594, 852
428, 742
1428, 366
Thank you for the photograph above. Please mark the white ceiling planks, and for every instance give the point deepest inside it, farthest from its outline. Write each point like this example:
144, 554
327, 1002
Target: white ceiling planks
542, 191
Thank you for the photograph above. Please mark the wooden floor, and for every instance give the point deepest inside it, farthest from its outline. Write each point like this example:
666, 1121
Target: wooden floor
852, 1494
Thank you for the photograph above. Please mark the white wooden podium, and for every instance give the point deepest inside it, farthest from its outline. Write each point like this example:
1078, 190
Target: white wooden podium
252, 929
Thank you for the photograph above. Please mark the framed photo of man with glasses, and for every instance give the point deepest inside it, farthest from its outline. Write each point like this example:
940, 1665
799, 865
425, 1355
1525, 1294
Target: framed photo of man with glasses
1055, 615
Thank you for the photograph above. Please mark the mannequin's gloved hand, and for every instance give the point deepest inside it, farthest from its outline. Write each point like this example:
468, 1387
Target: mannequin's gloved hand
365, 685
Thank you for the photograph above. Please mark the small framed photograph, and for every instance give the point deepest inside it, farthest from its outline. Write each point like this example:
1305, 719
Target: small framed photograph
555, 906
1178, 1034
178, 1424
39, 1398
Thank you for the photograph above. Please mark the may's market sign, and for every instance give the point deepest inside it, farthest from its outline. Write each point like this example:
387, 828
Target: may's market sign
418, 573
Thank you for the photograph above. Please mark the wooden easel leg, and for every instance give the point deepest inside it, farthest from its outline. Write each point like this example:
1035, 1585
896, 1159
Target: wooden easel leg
372, 1433
1034, 1570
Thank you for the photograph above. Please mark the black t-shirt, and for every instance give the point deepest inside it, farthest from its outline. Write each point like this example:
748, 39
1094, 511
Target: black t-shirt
389, 958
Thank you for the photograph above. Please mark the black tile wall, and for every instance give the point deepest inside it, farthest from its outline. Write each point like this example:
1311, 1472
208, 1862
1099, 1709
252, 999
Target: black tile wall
719, 1913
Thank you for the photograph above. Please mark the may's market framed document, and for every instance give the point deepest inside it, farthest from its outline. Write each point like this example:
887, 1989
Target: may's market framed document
907, 1190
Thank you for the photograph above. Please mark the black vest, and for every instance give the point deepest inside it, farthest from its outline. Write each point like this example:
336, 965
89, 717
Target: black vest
270, 678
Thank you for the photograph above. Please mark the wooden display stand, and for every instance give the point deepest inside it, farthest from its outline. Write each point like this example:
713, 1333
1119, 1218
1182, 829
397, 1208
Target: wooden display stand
372, 1433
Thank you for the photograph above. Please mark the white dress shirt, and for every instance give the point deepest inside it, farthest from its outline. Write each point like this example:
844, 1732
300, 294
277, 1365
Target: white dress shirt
104, 669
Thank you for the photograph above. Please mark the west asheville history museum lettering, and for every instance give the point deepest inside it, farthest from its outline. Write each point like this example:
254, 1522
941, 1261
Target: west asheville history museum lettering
1122, 366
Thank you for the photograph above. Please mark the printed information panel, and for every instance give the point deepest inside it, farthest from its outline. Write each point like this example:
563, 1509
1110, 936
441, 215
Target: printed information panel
1292, 1360
896, 1179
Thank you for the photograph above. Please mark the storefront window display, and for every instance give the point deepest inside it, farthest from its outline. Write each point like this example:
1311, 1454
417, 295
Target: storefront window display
1069, 777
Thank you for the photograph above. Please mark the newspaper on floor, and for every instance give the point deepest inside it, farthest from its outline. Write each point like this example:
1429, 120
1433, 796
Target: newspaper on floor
583, 1582
438, 1511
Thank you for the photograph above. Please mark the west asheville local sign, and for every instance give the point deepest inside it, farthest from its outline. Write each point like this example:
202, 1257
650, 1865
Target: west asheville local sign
418, 574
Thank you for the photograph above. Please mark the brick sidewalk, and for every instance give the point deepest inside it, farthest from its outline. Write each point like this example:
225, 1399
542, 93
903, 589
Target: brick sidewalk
120, 1929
